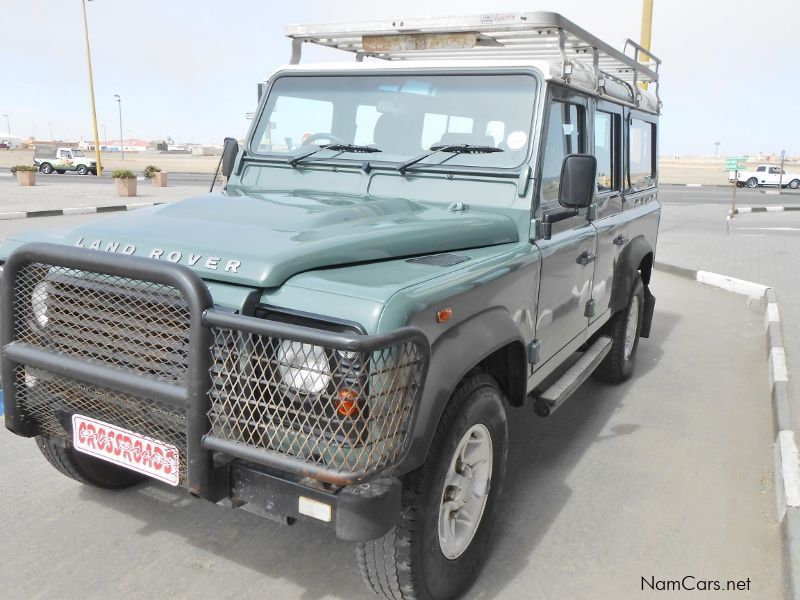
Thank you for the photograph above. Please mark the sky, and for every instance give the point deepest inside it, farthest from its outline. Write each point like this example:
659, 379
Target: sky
189, 69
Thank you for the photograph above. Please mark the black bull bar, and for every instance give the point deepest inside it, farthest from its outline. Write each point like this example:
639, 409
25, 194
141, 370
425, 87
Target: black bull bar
205, 477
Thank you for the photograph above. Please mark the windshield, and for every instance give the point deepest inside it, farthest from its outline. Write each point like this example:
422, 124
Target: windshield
403, 116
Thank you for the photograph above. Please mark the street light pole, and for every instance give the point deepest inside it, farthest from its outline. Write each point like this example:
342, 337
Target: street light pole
121, 135
105, 137
91, 91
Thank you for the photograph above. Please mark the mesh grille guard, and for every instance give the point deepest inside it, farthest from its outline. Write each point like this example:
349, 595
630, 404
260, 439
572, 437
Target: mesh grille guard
136, 343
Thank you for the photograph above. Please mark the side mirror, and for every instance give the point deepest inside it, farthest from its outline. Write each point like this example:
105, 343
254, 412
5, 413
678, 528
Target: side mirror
578, 180
229, 152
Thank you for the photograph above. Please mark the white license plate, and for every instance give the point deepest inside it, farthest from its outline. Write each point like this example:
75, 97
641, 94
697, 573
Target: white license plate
126, 449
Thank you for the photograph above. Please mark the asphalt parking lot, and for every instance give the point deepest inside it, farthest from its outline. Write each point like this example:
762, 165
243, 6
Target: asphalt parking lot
667, 475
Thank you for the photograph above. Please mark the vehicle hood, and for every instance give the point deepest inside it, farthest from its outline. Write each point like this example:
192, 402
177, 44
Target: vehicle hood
262, 240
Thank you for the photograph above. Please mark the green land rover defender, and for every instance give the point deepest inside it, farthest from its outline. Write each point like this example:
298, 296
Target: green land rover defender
409, 247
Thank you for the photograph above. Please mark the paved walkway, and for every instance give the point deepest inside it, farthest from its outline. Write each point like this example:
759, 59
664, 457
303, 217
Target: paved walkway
52, 195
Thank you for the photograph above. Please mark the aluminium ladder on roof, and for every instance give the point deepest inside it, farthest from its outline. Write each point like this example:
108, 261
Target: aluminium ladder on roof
544, 36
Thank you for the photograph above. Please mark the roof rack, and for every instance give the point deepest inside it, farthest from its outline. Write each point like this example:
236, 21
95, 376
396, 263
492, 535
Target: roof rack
544, 36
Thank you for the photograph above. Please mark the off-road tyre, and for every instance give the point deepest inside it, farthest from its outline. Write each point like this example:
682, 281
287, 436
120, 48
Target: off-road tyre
408, 563
616, 366
46, 168
752, 182
60, 171
84, 468
83, 170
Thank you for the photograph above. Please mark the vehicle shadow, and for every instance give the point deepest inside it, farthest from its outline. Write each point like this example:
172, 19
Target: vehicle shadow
542, 454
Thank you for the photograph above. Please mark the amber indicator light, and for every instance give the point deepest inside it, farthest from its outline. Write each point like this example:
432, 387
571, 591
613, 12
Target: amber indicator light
444, 314
347, 403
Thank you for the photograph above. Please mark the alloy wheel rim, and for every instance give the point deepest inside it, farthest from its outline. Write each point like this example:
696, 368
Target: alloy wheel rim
465, 491
630, 327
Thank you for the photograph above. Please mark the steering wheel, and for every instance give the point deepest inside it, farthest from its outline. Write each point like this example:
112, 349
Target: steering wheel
322, 136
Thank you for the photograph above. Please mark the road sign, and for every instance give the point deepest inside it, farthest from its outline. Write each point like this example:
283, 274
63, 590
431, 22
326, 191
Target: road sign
735, 164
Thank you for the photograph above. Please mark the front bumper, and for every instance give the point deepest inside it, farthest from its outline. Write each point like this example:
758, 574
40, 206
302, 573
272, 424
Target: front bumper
243, 441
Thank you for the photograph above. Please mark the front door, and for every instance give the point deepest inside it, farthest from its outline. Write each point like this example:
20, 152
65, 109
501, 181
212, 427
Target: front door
568, 257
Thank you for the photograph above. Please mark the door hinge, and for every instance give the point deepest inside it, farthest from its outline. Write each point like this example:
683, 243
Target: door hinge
533, 351
589, 312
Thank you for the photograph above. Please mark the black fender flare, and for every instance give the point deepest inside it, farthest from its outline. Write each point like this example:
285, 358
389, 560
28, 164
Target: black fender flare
454, 354
627, 266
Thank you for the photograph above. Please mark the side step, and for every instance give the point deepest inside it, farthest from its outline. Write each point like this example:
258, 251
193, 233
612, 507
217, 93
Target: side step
554, 396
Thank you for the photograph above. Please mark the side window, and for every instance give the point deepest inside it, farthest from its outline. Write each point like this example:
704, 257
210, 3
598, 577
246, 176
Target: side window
566, 133
641, 143
774, 171
606, 150
761, 169
293, 120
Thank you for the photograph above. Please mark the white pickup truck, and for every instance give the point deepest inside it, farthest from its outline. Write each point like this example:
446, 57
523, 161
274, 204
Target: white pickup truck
766, 175
48, 158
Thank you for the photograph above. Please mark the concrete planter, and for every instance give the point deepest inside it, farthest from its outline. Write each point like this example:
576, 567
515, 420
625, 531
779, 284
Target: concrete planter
26, 177
159, 179
126, 187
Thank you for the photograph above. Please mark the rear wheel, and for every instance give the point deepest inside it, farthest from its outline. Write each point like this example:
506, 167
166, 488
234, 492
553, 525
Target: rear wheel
794, 184
440, 543
46, 168
624, 329
83, 169
752, 182
84, 468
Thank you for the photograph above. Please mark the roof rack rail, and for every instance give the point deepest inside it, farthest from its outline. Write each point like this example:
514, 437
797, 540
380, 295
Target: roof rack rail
544, 36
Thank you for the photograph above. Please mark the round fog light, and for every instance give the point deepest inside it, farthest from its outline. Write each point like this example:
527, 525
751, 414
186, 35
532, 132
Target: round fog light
303, 367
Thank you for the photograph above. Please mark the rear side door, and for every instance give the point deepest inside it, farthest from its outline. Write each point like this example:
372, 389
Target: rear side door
611, 226
568, 257
761, 174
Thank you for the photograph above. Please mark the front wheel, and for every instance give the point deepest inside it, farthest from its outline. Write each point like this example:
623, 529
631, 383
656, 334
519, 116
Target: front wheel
436, 550
752, 182
624, 329
794, 184
83, 169
84, 468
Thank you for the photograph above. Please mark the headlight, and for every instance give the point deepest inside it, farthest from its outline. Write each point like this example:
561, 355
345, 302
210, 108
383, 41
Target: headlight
303, 367
39, 303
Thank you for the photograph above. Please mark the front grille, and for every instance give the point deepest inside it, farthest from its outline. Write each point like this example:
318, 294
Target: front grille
51, 400
349, 412
130, 324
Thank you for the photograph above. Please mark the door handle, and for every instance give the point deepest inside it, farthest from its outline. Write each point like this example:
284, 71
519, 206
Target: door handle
585, 258
619, 240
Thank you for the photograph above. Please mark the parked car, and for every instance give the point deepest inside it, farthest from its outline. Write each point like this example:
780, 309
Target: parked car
404, 254
49, 158
766, 175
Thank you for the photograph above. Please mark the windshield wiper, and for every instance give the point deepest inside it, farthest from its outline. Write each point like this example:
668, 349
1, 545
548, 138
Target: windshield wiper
454, 148
335, 147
